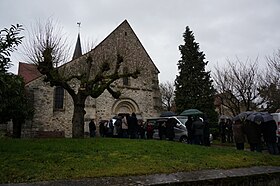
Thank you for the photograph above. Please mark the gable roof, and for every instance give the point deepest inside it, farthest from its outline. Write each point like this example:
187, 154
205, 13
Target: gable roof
125, 22
28, 71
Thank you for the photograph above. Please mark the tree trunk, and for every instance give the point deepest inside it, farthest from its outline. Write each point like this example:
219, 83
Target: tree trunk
78, 117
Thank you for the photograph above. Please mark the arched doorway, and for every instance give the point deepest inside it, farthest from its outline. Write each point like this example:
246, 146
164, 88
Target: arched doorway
125, 106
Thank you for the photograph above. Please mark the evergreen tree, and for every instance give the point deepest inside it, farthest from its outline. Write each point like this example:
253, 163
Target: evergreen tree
14, 104
193, 85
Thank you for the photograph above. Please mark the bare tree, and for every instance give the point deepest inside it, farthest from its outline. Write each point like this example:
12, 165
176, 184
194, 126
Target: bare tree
237, 85
167, 95
90, 78
274, 63
272, 74
270, 83
49, 36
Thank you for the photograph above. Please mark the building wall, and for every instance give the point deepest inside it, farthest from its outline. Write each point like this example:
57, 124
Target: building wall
140, 96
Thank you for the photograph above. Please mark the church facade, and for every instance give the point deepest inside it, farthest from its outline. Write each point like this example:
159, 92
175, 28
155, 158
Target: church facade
54, 106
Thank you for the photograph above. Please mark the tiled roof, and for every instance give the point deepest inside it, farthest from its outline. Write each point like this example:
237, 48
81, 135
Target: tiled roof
29, 72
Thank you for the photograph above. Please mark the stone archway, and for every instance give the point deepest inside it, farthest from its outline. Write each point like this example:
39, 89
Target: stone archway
123, 106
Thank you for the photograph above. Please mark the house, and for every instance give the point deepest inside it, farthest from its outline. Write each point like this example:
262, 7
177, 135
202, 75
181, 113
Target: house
54, 106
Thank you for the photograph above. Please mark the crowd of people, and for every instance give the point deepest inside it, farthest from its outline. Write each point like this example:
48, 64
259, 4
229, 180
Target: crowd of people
125, 126
198, 130
225, 130
258, 134
128, 126
231, 131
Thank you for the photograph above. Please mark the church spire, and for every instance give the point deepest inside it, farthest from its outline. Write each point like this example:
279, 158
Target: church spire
78, 48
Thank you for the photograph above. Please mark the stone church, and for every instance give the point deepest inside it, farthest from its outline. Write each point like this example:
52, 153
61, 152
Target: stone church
54, 106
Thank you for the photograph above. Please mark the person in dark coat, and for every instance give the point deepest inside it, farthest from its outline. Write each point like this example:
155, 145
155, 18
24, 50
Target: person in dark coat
118, 126
198, 131
188, 125
238, 134
253, 133
132, 126
92, 128
102, 128
206, 132
162, 129
222, 129
110, 128
229, 133
269, 134
170, 133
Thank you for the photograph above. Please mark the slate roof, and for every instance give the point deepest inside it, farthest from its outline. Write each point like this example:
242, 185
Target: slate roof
78, 49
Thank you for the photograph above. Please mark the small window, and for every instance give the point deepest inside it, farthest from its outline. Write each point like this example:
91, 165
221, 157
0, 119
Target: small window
125, 79
58, 98
125, 33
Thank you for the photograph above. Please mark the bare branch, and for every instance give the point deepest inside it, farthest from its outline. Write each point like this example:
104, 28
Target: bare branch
274, 61
47, 35
270, 82
238, 85
167, 94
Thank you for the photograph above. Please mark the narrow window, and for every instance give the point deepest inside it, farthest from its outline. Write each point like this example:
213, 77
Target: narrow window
58, 98
125, 79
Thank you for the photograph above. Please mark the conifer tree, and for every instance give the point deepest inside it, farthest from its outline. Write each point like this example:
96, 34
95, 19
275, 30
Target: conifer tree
193, 85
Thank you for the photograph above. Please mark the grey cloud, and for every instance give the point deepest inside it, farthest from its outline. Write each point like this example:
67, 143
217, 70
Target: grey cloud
224, 29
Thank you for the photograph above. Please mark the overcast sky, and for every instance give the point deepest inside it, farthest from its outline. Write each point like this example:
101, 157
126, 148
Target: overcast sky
224, 29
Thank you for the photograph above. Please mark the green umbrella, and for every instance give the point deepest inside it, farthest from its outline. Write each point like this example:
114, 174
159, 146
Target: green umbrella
167, 114
191, 112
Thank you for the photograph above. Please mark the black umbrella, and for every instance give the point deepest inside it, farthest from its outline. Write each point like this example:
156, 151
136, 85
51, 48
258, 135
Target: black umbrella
242, 116
116, 117
260, 117
167, 114
191, 112
225, 117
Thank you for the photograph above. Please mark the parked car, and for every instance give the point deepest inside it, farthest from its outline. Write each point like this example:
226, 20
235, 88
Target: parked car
181, 132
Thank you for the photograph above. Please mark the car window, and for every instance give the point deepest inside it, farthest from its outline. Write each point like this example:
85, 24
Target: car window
183, 120
180, 126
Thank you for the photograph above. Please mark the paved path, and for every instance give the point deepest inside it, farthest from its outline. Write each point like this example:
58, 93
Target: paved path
161, 179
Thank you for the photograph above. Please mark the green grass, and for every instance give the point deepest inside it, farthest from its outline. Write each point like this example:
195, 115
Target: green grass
29, 160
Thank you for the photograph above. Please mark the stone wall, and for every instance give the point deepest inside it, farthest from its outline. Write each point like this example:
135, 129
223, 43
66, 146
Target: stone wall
45, 118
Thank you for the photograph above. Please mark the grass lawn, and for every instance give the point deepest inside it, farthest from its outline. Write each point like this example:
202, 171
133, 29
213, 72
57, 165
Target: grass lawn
29, 160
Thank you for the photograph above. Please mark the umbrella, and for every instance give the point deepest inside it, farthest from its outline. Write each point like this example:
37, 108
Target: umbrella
242, 116
167, 114
116, 117
191, 112
225, 117
260, 117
